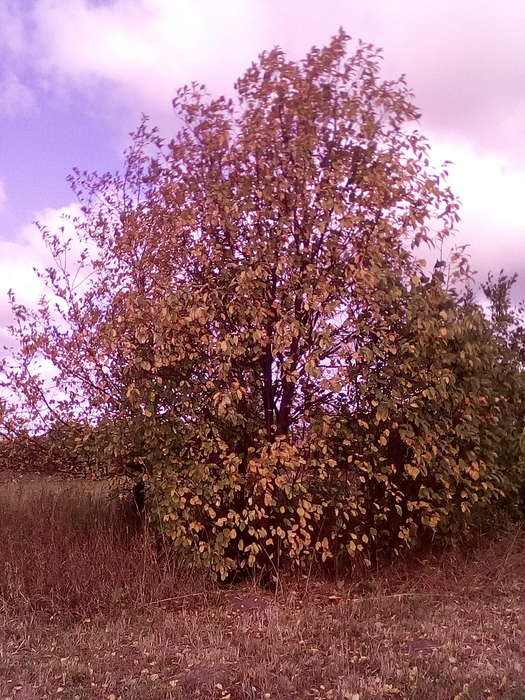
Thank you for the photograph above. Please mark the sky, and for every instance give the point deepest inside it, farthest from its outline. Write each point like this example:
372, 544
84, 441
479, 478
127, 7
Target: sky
75, 76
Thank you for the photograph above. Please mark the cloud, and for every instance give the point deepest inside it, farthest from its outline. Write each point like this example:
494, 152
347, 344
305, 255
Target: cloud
490, 190
464, 60
15, 97
20, 256
140, 52
12, 30
492, 223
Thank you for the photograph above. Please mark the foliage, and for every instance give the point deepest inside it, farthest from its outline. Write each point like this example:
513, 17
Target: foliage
60, 449
508, 376
255, 337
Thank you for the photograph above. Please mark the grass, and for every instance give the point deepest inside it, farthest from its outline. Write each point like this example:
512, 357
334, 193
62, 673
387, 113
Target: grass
88, 609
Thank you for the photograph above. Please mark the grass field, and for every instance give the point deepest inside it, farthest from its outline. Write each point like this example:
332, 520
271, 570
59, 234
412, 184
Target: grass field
89, 609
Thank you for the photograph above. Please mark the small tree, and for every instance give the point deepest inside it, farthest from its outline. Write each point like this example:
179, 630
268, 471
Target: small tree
508, 373
253, 312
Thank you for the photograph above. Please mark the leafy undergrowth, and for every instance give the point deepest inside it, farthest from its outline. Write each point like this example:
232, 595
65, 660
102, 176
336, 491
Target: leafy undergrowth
90, 609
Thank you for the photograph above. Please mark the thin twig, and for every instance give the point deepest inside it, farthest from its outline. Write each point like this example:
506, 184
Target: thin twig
178, 597
450, 594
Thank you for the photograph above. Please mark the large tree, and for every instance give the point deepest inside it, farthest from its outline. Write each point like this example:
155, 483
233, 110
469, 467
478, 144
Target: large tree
246, 293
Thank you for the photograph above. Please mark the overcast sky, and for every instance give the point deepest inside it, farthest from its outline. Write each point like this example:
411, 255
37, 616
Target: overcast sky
75, 75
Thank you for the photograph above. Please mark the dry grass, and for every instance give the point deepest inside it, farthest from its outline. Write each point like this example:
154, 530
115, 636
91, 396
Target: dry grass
88, 610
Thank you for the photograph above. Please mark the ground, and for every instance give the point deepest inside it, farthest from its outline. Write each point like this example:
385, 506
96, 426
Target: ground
89, 610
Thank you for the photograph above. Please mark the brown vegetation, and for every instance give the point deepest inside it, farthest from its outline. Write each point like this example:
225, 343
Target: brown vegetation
90, 610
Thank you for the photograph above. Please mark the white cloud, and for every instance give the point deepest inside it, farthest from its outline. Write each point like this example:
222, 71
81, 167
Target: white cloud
146, 48
464, 60
20, 256
490, 185
491, 191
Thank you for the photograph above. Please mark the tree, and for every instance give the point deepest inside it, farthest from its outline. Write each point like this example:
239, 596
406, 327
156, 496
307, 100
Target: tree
251, 287
508, 333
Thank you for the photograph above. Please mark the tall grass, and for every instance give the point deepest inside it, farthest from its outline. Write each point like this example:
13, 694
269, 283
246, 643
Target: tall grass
66, 547
91, 607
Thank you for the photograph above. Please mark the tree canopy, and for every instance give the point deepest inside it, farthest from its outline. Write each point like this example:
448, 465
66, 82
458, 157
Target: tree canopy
250, 327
